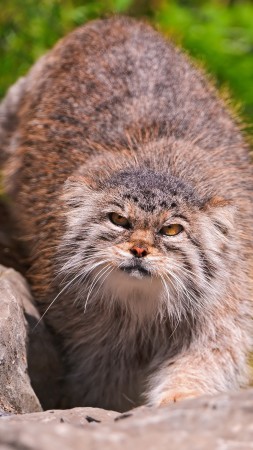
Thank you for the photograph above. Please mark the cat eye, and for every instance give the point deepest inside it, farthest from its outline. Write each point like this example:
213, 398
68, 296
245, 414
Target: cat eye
119, 220
172, 230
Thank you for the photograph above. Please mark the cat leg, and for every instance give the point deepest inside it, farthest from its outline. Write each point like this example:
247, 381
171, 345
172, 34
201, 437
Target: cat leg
213, 363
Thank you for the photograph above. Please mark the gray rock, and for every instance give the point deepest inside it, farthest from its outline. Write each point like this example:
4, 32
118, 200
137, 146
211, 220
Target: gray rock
75, 416
16, 394
224, 422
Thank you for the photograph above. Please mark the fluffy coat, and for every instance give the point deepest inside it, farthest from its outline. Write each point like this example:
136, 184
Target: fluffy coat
116, 119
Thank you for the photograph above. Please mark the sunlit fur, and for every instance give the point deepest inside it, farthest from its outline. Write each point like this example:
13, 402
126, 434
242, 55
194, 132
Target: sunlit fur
116, 119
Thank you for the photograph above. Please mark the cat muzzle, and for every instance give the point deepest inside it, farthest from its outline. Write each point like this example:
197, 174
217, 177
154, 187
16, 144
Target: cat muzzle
136, 270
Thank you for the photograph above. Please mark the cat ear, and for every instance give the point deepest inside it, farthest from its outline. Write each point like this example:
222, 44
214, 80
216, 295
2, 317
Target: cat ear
222, 212
218, 202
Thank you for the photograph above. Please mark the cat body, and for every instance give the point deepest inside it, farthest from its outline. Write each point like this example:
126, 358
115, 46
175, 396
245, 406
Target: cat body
131, 186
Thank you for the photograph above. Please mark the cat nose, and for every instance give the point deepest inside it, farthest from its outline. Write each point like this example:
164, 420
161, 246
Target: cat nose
138, 252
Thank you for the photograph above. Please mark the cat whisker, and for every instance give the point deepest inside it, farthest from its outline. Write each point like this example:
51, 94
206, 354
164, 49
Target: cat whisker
87, 271
71, 265
82, 277
193, 275
74, 264
54, 300
185, 292
169, 302
100, 274
106, 274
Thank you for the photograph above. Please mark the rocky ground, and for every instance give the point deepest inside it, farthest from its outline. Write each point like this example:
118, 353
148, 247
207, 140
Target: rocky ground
223, 422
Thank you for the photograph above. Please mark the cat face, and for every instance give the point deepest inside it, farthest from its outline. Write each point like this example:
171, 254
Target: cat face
146, 241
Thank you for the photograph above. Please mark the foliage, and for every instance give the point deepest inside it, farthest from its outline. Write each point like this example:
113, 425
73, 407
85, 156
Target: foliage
222, 38
218, 33
29, 28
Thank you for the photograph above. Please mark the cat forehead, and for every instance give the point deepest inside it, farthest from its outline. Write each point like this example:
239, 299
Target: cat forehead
150, 190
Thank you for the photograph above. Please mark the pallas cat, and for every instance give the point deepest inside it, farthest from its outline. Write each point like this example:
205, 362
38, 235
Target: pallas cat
130, 185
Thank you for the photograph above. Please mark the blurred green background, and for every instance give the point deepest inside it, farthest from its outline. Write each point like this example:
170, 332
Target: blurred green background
219, 34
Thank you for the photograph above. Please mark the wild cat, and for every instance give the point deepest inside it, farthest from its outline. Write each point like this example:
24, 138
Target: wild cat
131, 188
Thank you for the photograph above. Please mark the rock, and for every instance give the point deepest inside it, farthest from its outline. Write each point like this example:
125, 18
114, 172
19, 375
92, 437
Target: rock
223, 422
75, 416
16, 394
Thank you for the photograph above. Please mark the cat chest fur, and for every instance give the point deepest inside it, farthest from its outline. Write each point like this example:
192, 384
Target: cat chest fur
114, 359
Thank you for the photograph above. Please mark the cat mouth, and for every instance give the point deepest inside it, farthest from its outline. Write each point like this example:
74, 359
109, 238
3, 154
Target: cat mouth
136, 271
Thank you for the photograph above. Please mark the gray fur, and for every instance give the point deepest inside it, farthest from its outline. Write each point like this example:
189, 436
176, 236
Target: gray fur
117, 120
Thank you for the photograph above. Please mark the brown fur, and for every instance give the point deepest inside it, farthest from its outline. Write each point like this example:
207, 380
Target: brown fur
114, 95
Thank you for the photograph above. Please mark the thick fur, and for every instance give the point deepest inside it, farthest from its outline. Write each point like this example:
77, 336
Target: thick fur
115, 119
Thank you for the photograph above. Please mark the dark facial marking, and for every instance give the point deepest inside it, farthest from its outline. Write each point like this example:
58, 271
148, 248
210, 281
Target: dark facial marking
178, 250
118, 205
180, 216
106, 237
79, 237
136, 266
150, 189
221, 228
187, 265
208, 268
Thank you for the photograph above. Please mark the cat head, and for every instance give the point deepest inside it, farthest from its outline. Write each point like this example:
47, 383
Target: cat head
145, 240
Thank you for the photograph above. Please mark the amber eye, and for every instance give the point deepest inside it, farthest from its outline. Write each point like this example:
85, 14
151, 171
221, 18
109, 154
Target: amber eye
172, 230
119, 220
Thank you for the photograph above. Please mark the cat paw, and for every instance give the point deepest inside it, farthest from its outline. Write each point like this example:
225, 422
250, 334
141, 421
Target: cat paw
176, 396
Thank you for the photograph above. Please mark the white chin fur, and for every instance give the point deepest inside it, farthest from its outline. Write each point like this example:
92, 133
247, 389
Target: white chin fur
139, 294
